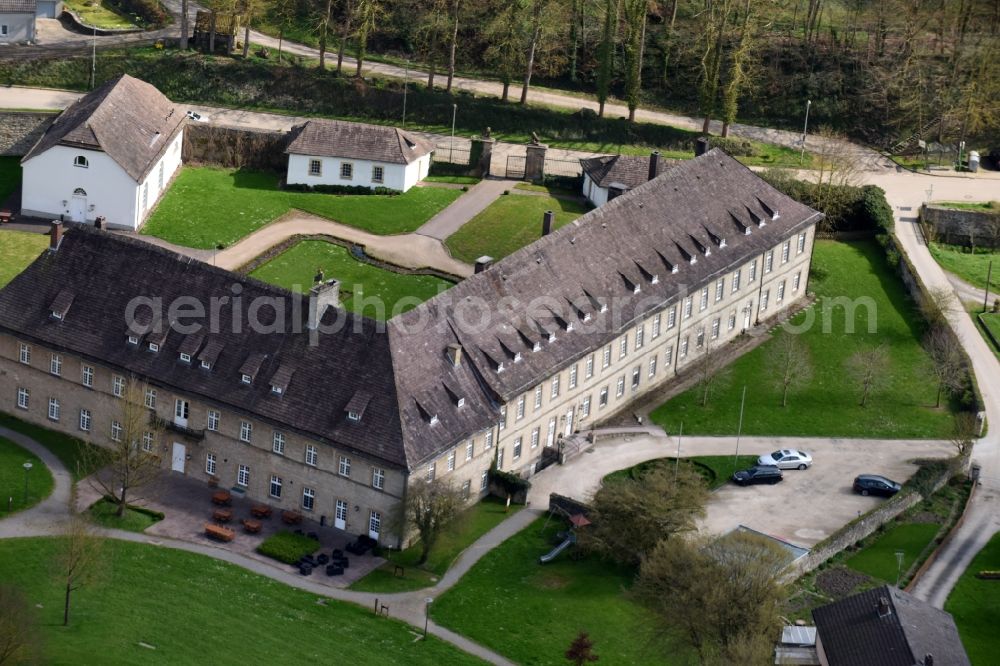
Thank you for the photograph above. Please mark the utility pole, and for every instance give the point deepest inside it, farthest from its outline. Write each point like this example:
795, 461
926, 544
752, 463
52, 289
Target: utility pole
451, 148
989, 276
739, 428
805, 130
406, 76
93, 60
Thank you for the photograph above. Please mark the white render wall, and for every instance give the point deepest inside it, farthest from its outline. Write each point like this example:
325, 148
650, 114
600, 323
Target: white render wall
395, 176
596, 195
20, 28
51, 178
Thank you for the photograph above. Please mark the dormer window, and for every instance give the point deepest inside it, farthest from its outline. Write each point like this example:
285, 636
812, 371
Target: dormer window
357, 405
569, 326
133, 339
153, 347
277, 390
354, 416
433, 419
499, 367
517, 356
586, 317
81, 161
604, 307
252, 367
246, 379
536, 346
655, 279
56, 315
205, 365
461, 402
185, 357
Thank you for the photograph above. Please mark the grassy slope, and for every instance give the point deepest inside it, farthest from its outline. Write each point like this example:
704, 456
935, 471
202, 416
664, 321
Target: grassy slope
510, 223
103, 513
991, 320
970, 267
196, 610
475, 522
17, 250
828, 406
12, 477
359, 282
207, 207
530, 612
66, 448
98, 15
879, 559
975, 605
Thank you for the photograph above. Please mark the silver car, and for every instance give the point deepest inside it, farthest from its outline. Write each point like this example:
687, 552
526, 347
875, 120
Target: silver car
786, 459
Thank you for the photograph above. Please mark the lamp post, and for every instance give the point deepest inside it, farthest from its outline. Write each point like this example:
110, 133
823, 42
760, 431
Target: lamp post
451, 149
427, 613
406, 77
989, 276
739, 429
805, 130
27, 468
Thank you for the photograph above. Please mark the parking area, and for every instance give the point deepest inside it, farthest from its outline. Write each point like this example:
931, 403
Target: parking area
806, 507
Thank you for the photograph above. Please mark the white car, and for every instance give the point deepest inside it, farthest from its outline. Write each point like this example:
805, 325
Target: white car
197, 117
786, 459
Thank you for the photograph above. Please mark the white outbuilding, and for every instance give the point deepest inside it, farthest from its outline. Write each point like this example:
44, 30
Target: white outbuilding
608, 176
111, 154
336, 152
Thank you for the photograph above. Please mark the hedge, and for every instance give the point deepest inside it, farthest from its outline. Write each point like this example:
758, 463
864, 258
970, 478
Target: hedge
341, 189
288, 547
511, 483
849, 208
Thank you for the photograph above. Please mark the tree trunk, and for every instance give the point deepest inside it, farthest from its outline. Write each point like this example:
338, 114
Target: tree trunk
725, 128
937, 401
706, 124
345, 31
246, 38
574, 39
69, 589
281, 37
184, 25
506, 91
530, 66
454, 43
323, 35
600, 109
784, 395
211, 35
432, 64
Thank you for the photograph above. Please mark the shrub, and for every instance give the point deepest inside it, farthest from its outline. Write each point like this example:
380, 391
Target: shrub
288, 547
150, 13
733, 146
512, 484
341, 189
448, 169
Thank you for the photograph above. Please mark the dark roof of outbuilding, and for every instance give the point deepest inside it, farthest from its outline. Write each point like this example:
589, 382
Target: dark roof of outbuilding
128, 119
17, 6
853, 633
629, 170
105, 272
360, 141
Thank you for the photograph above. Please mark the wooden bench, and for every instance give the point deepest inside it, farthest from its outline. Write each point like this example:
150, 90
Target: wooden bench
260, 511
251, 526
219, 533
222, 515
222, 498
291, 517
4, 217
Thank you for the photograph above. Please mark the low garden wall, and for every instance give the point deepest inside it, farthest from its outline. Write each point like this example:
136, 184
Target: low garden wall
19, 130
567, 505
235, 147
955, 226
77, 24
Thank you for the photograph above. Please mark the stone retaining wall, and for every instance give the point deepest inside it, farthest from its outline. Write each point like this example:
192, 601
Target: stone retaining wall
77, 24
19, 130
961, 227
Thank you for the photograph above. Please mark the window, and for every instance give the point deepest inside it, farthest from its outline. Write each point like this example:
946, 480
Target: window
589, 369
378, 478
315, 167
795, 281
133, 339
768, 261
623, 347
275, 490
53, 409
652, 367
517, 448
763, 299
668, 356
79, 160
466, 489
752, 271
640, 333
346, 171
451, 461
243, 476
551, 437
786, 250
672, 317
25, 354
606, 360
536, 436
116, 431
147, 442
431, 471
687, 307
585, 407
312, 457
704, 299
150, 399
636, 372
378, 174
701, 338
781, 291
278, 443
732, 320
3, 29
484, 480
246, 379
520, 408
345, 466
55, 365
801, 247
684, 346
470, 449
118, 386
620, 387
603, 398
22, 398
503, 420
153, 347
735, 282
308, 498
715, 328
341, 511
85, 420
213, 421
246, 431
555, 387
374, 523
210, 464
145, 196
87, 376
185, 357
655, 332
538, 396
720, 289
572, 376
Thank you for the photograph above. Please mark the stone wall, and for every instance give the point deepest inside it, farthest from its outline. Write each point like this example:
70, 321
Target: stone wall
961, 227
235, 147
19, 130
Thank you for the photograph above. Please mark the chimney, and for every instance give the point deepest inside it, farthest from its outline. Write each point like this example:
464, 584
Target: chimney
928, 659
701, 146
483, 262
55, 236
101, 223
322, 296
454, 353
883, 607
654, 164
547, 219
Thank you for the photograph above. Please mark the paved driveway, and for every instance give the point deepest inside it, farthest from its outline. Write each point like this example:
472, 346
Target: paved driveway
804, 508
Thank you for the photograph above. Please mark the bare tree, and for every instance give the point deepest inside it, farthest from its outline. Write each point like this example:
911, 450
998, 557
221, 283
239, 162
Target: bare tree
869, 366
581, 650
323, 28
964, 434
430, 507
78, 560
711, 371
131, 464
455, 11
947, 363
185, 29
345, 33
19, 639
635, 39
790, 364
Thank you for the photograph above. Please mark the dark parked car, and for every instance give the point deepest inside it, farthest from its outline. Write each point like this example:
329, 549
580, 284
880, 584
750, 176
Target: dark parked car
757, 474
873, 484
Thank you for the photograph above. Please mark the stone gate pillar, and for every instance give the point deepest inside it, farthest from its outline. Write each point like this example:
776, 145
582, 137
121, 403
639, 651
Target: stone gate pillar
534, 163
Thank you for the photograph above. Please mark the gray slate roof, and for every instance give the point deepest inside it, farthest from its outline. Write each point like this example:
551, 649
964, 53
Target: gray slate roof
126, 118
359, 141
854, 634
17, 6
629, 170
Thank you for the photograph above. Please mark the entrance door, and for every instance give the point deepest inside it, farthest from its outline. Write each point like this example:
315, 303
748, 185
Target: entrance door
78, 208
550, 438
374, 525
178, 458
569, 423
181, 412
340, 517
747, 311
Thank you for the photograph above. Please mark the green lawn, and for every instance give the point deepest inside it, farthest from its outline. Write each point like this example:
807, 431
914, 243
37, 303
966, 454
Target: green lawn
158, 606
364, 288
472, 524
17, 250
975, 605
530, 612
208, 207
103, 513
96, 14
715, 469
10, 176
67, 449
829, 405
454, 180
970, 267
991, 321
12, 478
879, 558
969, 205
508, 224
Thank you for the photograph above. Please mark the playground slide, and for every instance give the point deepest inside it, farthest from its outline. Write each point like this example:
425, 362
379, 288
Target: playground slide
548, 557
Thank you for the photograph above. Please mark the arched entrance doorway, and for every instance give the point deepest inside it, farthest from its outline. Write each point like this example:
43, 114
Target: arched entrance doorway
78, 205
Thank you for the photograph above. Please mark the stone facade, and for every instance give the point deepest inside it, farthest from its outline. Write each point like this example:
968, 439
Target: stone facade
962, 227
